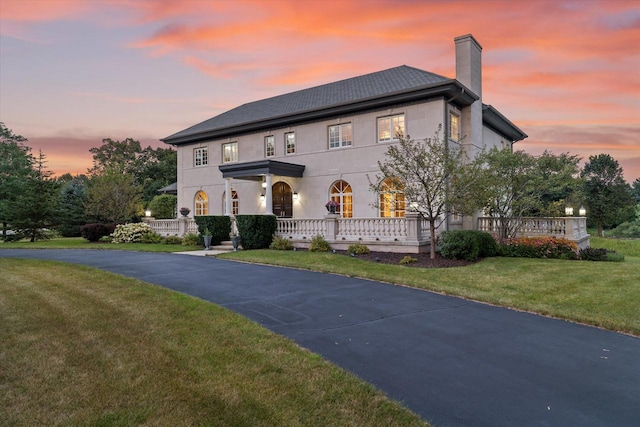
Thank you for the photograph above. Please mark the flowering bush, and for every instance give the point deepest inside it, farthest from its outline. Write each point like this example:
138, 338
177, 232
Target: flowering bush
538, 247
130, 233
332, 204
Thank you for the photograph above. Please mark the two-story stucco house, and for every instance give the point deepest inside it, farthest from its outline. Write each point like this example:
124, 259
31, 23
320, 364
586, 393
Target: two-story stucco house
288, 155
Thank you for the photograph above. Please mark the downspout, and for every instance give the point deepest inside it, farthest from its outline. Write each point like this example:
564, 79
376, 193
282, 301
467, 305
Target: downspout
446, 136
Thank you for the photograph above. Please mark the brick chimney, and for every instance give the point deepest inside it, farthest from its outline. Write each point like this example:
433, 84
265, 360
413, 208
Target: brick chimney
469, 73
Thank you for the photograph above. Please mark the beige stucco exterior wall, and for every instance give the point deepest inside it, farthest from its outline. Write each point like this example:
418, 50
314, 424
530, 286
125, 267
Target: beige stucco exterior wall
355, 164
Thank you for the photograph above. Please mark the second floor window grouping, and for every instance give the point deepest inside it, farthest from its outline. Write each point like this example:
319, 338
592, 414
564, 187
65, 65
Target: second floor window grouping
269, 146
390, 128
230, 152
340, 135
290, 142
200, 156
454, 127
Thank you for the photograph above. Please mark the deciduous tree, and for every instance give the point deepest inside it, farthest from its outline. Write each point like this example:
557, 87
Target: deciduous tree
510, 187
113, 197
608, 197
435, 175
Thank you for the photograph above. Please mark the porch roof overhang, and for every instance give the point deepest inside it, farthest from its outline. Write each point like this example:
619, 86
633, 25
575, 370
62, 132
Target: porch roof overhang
255, 170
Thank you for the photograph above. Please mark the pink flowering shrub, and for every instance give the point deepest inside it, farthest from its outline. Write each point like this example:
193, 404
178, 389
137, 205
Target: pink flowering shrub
538, 247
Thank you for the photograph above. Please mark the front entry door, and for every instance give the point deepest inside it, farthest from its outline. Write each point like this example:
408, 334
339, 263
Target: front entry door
282, 200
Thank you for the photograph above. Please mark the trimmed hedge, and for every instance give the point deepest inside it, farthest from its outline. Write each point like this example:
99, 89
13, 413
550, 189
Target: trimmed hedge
468, 245
256, 231
94, 232
218, 225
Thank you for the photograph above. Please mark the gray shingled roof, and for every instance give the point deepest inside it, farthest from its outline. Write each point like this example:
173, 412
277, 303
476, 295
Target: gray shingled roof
381, 83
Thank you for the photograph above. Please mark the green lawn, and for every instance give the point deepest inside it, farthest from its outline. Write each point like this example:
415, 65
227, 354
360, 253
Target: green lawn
80, 346
80, 243
604, 294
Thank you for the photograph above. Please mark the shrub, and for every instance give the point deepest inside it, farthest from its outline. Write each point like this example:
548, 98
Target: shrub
593, 254
191, 239
467, 244
106, 239
358, 248
131, 233
613, 256
93, 232
281, 244
218, 225
538, 247
319, 244
629, 229
172, 240
256, 231
152, 237
408, 260
163, 206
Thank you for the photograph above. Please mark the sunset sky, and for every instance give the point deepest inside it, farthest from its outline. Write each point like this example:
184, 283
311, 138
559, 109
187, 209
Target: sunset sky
75, 72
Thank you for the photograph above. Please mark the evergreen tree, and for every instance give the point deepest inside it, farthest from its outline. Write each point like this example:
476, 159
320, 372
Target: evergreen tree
37, 203
15, 169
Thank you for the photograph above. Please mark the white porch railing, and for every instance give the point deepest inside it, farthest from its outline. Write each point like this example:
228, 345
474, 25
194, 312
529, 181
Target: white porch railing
173, 227
408, 234
571, 228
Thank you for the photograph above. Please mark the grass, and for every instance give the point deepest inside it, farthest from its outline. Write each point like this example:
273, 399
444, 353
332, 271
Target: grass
84, 347
603, 294
81, 243
627, 247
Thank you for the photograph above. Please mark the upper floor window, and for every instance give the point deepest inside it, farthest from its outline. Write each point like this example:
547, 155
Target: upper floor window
390, 128
342, 194
269, 146
340, 135
200, 156
454, 126
230, 152
290, 142
392, 201
202, 203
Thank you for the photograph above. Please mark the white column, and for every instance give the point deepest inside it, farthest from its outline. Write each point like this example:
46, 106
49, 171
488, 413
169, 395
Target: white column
268, 200
227, 197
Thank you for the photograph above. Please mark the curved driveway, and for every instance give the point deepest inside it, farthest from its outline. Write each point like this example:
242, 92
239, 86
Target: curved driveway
454, 362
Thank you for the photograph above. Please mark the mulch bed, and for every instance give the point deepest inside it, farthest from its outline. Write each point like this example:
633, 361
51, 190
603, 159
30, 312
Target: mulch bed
423, 259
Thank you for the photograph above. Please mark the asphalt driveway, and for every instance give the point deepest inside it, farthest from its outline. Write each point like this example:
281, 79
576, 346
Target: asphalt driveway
454, 362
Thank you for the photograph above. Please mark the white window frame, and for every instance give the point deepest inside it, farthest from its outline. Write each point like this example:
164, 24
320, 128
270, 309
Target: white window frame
454, 126
340, 135
290, 143
201, 203
201, 156
235, 202
269, 143
390, 126
229, 152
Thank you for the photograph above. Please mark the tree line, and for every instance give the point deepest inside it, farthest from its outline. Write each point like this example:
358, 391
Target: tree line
123, 181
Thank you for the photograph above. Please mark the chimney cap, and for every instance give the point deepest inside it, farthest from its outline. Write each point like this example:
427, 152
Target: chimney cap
464, 38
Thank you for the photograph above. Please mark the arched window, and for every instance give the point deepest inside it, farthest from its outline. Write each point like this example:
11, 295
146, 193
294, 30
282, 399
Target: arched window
234, 202
392, 203
341, 193
202, 203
